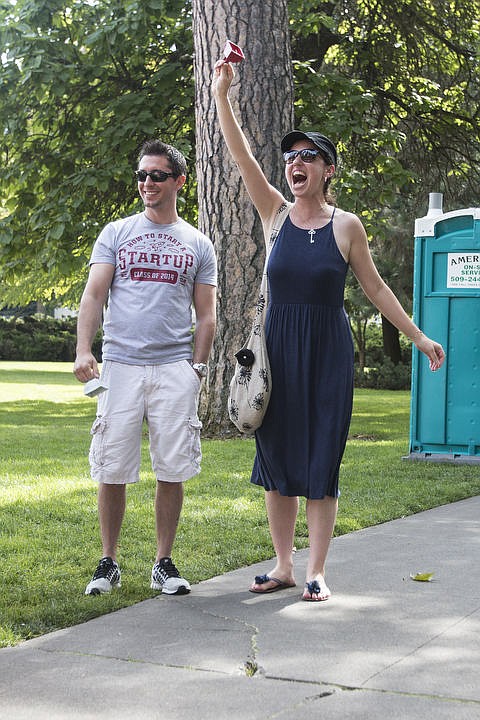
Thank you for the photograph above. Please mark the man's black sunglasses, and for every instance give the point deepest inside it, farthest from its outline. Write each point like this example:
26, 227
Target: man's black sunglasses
156, 175
308, 155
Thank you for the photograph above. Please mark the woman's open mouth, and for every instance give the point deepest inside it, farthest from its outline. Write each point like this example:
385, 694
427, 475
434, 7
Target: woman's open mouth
298, 178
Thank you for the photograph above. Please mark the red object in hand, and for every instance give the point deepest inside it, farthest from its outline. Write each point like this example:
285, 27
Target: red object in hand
232, 53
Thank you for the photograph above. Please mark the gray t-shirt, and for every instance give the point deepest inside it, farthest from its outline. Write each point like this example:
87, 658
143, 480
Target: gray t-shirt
149, 315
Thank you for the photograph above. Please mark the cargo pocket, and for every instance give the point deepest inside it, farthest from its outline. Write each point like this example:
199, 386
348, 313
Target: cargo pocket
194, 427
97, 447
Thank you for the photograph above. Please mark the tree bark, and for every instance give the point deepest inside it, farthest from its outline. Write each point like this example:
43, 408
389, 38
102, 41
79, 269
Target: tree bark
262, 97
359, 328
391, 341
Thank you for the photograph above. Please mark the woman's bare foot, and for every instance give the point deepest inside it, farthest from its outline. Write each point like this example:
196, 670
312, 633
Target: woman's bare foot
316, 590
275, 580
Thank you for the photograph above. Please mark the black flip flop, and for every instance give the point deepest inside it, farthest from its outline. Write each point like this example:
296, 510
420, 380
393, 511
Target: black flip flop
263, 579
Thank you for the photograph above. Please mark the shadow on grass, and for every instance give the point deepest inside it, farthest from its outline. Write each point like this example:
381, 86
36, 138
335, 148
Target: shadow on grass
49, 538
50, 547
42, 412
39, 377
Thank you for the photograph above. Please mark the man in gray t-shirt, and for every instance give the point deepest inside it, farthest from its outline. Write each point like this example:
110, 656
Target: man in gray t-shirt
149, 269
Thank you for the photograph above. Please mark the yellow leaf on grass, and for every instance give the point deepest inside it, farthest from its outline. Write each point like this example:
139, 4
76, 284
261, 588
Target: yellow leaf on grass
422, 577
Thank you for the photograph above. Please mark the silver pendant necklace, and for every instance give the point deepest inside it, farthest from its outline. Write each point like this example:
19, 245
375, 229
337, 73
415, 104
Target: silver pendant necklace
312, 232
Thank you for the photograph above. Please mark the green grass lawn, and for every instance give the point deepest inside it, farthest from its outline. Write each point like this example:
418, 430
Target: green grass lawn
49, 539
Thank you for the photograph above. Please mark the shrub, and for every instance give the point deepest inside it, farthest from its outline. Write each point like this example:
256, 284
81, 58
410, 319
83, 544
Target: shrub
41, 338
386, 376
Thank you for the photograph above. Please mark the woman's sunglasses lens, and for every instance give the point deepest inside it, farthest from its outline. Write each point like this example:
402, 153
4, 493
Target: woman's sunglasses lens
306, 155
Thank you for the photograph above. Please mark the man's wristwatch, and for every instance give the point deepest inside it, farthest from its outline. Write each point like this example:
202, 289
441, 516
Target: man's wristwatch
200, 368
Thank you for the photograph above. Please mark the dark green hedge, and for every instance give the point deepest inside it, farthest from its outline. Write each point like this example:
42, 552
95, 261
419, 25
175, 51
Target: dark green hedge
385, 376
47, 339
43, 339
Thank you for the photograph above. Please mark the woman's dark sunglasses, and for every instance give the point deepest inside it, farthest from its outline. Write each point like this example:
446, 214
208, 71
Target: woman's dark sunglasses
307, 155
155, 175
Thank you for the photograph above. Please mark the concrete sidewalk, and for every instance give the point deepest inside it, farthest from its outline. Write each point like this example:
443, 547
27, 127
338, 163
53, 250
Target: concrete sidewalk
383, 646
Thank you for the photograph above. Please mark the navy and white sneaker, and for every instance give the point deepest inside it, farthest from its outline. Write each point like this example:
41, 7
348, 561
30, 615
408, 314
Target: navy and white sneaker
165, 577
106, 577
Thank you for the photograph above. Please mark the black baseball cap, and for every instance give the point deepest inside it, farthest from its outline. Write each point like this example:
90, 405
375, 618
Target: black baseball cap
326, 146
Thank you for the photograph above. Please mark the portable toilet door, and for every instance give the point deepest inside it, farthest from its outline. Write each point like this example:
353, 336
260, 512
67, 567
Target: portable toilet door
445, 405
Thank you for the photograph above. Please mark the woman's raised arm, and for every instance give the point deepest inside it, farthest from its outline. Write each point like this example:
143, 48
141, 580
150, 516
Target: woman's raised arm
264, 196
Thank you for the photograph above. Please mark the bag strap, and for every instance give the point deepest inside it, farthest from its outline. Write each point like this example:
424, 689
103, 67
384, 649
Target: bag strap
279, 219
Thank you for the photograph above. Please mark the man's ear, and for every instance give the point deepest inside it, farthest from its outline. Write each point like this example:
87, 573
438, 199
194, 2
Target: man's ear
180, 182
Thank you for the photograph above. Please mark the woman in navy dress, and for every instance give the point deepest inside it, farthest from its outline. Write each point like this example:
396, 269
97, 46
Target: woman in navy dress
302, 439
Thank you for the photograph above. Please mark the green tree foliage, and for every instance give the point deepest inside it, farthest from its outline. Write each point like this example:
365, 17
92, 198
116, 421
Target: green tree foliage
397, 84
82, 85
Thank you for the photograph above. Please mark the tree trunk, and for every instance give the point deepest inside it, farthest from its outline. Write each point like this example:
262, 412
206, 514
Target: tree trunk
359, 328
262, 97
391, 341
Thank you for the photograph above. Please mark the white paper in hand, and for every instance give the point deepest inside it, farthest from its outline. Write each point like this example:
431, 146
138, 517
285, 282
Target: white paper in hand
94, 387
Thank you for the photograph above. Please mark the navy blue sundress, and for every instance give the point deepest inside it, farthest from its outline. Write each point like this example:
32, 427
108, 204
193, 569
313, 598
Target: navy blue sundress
303, 435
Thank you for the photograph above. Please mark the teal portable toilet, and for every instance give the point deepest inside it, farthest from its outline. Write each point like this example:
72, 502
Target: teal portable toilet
445, 405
